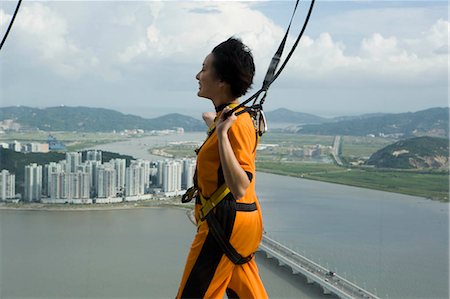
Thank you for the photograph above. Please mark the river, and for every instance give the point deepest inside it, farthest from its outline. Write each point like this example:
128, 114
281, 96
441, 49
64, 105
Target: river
393, 245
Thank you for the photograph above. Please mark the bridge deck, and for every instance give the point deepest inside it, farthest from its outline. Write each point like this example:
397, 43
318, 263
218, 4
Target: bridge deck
329, 281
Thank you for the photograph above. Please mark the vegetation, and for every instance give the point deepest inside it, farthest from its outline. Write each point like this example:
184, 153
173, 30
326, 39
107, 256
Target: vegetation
283, 115
294, 140
178, 150
432, 184
419, 152
432, 122
84, 119
363, 147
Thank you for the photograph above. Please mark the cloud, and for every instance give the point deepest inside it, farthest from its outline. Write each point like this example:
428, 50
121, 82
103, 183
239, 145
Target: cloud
169, 35
387, 60
183, 33
132, 49
45, 38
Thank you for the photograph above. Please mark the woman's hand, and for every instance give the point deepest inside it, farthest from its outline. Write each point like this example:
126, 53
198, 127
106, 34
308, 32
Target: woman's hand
208, 117
224, 123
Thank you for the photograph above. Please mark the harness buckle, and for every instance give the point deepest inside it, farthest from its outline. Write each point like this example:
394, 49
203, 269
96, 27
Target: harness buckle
189, 195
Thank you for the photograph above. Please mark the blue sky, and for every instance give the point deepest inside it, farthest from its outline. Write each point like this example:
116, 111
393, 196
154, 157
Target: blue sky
141, 57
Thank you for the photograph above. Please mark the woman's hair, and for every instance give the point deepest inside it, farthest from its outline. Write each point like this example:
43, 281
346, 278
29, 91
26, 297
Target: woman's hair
233, 63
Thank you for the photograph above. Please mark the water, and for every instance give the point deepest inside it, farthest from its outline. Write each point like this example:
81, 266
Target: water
138, 148
391, 244
137, 253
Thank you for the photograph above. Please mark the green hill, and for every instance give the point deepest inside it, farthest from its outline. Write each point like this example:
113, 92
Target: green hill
283, 115
15, 162
430, 122
85, 119
414, 153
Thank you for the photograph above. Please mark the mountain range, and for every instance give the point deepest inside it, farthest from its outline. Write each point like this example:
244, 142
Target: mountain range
429, 122
85, 119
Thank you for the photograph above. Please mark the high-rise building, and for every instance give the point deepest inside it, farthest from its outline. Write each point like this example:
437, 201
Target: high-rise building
135, 179
171, 174
77, 185
7, 185
33, 182
73, 159
159, 173
146, 165
50, 168
187, 178
94, 155
91, 168
106, 181
15, 146
153, 173
56, 185
120, 167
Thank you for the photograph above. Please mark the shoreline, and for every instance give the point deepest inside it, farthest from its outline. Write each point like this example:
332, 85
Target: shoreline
96, 207
318, 179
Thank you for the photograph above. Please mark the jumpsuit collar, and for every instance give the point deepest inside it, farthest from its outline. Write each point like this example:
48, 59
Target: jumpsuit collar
222, 106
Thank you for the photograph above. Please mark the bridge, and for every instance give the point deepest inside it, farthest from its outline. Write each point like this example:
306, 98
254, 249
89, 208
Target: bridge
335, 150
330, 282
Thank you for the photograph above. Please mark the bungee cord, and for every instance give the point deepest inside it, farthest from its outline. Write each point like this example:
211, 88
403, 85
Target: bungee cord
272, 73
10, 24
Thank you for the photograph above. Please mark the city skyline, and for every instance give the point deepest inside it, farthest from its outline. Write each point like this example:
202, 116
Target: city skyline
73, 180
356, 56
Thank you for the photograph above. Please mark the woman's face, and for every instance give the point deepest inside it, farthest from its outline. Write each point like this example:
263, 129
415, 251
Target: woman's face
209, 84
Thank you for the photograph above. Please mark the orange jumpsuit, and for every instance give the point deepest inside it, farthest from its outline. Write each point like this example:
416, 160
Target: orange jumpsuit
209, 273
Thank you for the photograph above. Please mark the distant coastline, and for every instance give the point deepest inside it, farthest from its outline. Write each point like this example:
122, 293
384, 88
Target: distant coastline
172, 203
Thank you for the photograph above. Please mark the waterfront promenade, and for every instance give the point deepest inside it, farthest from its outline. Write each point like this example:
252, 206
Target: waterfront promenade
330, 282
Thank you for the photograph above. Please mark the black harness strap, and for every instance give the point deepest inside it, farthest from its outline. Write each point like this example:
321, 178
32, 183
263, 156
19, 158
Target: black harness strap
271, 76
223, 242
246, 207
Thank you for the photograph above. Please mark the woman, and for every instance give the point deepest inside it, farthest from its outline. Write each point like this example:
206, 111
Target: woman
221, 256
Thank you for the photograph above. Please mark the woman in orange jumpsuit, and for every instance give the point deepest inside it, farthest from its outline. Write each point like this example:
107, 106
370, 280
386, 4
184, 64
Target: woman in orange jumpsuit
226, 157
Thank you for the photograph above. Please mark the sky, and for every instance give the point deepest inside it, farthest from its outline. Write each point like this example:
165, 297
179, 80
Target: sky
141, 57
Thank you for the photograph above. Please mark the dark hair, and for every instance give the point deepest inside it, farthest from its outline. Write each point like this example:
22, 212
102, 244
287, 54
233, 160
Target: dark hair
233, 63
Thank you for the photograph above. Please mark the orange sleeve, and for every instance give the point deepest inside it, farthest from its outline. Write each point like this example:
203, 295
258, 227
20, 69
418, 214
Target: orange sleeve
242, 137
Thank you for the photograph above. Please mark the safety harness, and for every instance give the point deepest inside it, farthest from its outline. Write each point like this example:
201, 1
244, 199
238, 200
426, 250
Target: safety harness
256, 112
209, 204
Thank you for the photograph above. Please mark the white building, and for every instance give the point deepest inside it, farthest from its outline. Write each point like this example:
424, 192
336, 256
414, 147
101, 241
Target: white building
171, 176
7, 185
35, 148
15, 146
147, 171
33, 182
77, 185
56, 185
92, 169
50, 168
120, 166
106, 181
159, 172
73, 159
187, 178
94, 155
135, 179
